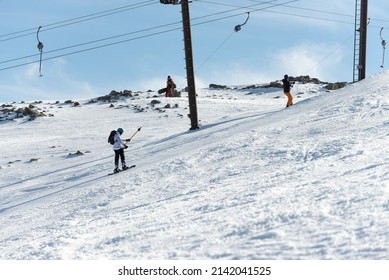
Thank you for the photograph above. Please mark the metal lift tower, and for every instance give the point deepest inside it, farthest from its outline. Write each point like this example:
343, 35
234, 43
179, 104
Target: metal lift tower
189, 60
360, 40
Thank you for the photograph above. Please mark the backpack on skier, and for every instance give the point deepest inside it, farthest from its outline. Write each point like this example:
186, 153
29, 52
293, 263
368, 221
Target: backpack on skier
111, 137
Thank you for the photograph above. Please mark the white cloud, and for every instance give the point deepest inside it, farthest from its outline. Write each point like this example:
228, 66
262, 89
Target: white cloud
238, 74
315, 59
56, 83
320, 60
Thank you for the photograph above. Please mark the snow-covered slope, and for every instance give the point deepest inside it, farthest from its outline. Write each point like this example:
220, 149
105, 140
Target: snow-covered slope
257, 181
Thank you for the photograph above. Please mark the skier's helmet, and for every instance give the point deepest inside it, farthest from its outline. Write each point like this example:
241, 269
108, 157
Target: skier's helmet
120, 130
286, 77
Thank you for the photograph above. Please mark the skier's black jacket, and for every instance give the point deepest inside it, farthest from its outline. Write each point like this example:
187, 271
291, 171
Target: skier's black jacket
287, 85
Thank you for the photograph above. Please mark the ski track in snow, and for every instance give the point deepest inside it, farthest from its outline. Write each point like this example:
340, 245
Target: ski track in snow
255, 182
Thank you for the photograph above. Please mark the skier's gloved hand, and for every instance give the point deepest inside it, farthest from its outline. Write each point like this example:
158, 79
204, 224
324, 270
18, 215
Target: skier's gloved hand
128, 140
125, 147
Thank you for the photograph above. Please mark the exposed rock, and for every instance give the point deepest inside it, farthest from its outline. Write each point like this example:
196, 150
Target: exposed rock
154, 102
304, 79
78, 153
10, 113
215, 86
275, 85
334, 86
115, 95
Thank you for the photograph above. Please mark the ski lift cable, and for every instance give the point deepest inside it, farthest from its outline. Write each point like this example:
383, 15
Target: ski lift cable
131, 39
95, 41
236, 15
103, 14
313, 10
236, 29
92, 48
148, 29
294, 14
331, 53
76, 20
215, 51
127, 40
129, 7
223, 43
238, 7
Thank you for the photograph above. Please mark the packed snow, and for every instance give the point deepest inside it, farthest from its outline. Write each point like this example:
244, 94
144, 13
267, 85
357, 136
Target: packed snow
256, 181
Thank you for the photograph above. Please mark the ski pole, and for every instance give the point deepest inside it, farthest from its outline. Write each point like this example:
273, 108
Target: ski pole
129, 139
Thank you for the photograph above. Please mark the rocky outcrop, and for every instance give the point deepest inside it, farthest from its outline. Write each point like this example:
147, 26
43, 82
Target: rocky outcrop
304, 79
115, 96
10, 112
335, 86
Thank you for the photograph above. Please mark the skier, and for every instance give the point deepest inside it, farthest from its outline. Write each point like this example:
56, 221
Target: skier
118, 148
169, 87
287, 86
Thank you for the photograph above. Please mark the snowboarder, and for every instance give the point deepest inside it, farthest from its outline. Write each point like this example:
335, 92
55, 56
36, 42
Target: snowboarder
287, 86
169, 87
118, 148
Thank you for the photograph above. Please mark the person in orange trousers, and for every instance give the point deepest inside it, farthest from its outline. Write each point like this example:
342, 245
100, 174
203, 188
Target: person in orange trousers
287, 86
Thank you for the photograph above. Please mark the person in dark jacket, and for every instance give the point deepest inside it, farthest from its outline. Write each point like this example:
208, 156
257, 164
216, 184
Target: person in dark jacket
287, 86
169, 87
118, 147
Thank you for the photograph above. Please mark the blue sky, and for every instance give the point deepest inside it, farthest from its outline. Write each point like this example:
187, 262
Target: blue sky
305, 37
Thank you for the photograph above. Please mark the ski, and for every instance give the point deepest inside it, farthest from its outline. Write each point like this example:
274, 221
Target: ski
121, 170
